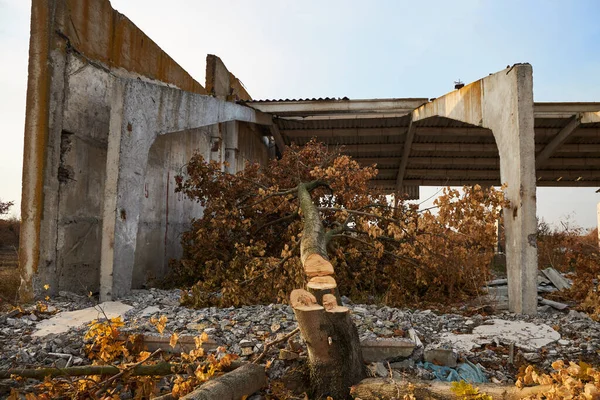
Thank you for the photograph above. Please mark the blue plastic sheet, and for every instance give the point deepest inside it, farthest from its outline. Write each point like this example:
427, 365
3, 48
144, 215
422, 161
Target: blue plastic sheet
466, 371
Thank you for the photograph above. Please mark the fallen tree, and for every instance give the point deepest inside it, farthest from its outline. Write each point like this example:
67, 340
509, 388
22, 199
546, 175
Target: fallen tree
320, 202
335, 358
238, 384
253, 222
159, 369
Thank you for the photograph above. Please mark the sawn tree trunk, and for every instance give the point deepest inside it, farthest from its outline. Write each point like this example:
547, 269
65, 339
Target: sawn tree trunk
335, 358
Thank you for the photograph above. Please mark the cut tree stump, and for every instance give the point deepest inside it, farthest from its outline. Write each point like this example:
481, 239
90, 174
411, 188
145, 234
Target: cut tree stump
321, 285
334, 352
333, 345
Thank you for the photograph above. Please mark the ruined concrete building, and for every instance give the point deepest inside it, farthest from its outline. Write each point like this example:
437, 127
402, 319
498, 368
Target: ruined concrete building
111, 118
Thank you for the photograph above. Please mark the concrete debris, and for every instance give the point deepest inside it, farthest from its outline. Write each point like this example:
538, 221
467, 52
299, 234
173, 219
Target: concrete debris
498, 282
556, 278
412, 334
64, 321
441, 356
525, 335
553, 304
254, 325
149, 311
404, 365
548, 280
383, 349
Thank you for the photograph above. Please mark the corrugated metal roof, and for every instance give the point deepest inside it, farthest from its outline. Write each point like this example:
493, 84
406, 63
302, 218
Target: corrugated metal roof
443, 149
294, 100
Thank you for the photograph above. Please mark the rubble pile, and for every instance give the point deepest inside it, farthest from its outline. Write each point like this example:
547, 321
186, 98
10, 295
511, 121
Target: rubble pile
397, 341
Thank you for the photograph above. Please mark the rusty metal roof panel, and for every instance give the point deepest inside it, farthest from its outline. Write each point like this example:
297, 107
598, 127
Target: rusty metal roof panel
294, 100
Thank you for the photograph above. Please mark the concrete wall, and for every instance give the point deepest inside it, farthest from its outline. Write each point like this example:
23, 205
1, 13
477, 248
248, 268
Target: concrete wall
86, 62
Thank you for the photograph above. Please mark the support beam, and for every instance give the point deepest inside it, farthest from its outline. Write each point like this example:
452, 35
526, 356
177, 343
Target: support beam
304, 108
391, 183
470, 132
466, 174
389, 131
408, 141
559, 139
279, 142
503, 102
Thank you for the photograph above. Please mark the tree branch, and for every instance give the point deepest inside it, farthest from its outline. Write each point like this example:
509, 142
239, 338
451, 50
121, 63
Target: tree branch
403, 258
273, 343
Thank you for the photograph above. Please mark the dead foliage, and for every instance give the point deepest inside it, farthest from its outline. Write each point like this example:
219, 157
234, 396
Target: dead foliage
9, 260
131, 369
573, 251
244, 249
568, 381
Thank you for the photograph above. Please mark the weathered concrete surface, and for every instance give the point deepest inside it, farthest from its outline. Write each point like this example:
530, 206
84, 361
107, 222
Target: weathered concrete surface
379, 350
524, 335
140, 112
84, 60
103, 40
66, 320
222, 83
503, 102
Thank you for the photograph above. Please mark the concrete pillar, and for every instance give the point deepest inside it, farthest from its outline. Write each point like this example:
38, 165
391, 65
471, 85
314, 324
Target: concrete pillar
231, 143
503, 102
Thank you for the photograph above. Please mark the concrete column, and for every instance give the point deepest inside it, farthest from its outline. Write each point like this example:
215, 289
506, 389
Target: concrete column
503, 102
129, 141
231, 143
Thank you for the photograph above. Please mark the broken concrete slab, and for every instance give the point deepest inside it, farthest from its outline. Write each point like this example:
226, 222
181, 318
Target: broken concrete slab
556, 278
441, 356
414, 337
498, 291
553, 304
382, 349
66, 320
525, 335
150, 310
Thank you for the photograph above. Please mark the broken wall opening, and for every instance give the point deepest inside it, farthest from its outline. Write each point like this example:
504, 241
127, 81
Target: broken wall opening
165, 215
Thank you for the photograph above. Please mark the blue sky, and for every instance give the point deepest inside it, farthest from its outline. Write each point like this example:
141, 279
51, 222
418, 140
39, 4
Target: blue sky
359, 49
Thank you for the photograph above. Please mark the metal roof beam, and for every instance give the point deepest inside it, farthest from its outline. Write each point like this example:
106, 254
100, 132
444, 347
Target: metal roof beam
558, 140
391, 131
408, 141
391, 183
279, 142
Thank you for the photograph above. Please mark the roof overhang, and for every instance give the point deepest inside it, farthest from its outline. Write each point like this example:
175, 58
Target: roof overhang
436, 150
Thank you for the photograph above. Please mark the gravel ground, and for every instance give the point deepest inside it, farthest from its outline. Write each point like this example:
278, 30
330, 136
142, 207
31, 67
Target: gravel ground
244, 330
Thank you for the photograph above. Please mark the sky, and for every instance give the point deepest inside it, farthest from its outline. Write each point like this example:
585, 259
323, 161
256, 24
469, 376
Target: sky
357, 49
